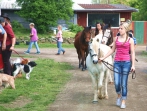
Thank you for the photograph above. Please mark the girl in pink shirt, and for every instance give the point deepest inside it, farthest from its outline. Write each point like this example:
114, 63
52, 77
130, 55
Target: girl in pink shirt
123, 63
33, 40
59, 40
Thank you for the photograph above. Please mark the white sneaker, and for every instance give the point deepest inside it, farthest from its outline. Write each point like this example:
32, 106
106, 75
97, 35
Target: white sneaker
123, 106
118, 101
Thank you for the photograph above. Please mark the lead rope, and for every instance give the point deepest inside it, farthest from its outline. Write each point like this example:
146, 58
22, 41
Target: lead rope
18, 54
106, 64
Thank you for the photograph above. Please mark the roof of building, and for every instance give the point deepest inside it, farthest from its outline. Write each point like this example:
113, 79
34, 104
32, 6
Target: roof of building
81, 7
103, 8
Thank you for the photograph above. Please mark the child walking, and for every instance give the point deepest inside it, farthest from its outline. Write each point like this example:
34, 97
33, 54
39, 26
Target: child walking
59, 40
33, 40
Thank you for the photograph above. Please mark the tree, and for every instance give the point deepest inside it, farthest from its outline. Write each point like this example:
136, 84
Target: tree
45, 13
142, 15
134, 4
95, 1
101, 1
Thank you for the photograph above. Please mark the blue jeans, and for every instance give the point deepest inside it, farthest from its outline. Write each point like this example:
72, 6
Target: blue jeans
59, 45
30, 46
121, 72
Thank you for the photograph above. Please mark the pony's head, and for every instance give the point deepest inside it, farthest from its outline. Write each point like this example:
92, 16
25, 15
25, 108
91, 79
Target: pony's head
93, 50
86, 35
107, 35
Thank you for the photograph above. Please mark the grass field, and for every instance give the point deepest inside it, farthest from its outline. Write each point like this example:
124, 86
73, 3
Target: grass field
46, 81
46, 45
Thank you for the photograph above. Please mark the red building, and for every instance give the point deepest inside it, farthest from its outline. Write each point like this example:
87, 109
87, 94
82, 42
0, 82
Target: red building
89, 14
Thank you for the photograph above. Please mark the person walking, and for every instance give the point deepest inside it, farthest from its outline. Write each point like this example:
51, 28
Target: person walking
123, 63
10, 43
59, 40
33, 39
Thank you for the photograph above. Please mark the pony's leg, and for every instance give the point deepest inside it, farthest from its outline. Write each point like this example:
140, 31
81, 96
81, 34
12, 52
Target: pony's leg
100, 84
83, 59
79, 57
110, 78
107, 75
79, 62
95, 87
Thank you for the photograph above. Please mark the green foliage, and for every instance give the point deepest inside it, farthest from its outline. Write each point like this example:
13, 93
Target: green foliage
125, 2
95, 1
45, 13
135, 4
142, 15
67, 34
21, 32
75, 28
16, 24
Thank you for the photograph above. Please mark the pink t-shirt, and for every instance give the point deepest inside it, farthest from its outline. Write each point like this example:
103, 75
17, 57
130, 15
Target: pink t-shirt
122, 51
59, 36
34, 37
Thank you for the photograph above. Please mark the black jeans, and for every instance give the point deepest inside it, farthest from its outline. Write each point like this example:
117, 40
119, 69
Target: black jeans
6, 54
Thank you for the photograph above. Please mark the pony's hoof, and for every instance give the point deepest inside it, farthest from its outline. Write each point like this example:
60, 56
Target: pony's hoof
83, 69
111, 83
80, 66
106, 97
94, 102
101, 97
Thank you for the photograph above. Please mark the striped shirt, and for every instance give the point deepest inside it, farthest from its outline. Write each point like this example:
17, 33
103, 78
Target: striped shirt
122, 51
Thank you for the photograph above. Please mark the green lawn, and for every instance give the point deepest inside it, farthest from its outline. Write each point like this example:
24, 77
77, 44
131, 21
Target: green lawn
46, 45
46, 81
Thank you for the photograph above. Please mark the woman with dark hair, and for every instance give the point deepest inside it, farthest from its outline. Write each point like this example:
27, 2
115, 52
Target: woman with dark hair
99, 31
98, 28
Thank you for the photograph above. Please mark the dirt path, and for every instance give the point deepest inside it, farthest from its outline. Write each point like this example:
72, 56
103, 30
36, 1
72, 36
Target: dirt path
77, 94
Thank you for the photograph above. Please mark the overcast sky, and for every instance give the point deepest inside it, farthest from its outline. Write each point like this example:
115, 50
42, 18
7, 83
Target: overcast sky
77, 1
82, 1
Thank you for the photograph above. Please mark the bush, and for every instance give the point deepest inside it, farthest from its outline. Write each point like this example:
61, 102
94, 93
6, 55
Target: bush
75, 28
16, 24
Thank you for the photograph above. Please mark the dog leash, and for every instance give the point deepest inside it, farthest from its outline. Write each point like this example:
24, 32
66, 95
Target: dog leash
18, 54
106, 64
